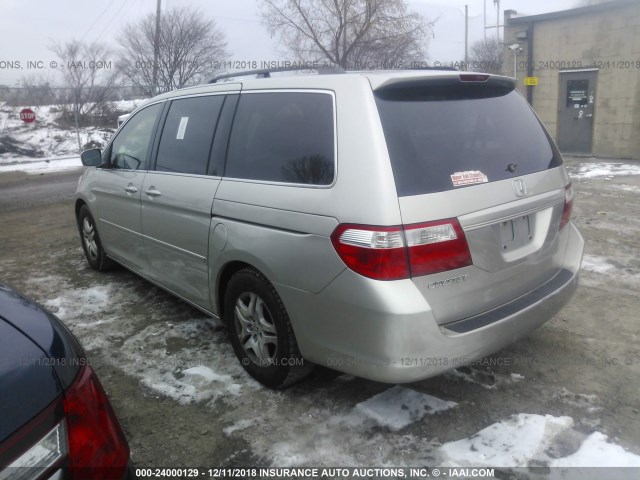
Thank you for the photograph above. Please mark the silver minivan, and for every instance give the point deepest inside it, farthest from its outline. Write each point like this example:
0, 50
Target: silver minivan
392, 225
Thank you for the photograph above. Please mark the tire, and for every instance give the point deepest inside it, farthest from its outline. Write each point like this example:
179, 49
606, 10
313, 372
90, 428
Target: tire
91, 243
260, 331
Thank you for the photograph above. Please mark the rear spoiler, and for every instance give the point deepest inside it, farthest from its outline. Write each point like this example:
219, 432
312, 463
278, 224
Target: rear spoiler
408, 81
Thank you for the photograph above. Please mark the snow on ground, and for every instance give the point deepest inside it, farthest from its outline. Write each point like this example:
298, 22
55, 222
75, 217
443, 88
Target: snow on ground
581, 400
192, 361
607, 170
146, 352
512, 443
619, 269
46, 138
93, 301
596, 451
627, 188
398, 407
535, 440
353, 435
45, 165
594, 263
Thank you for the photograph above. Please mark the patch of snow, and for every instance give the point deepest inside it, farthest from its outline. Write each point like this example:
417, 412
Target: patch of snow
206, 373
602, 170
581, 400
512, 443
528, 440
596, 451
473, 375
329, 435
45, 165
623, 271
594, 263
239, 425
90, 300
190, 361
398, 407
192, 376
627, 188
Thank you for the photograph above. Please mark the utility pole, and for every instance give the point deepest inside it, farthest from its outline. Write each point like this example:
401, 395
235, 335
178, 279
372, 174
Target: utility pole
156, 50
497, 3
466, 37
75, 117
485, 21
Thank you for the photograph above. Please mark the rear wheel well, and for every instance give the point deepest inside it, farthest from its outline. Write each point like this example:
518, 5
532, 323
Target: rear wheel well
223, 280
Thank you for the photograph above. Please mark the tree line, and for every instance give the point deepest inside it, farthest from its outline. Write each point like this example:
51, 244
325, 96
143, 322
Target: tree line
352, 34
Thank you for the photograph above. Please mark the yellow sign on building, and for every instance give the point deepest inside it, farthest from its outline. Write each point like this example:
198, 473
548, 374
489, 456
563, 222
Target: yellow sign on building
531, 81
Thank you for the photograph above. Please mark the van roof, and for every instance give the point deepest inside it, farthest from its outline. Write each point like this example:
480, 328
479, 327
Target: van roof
376, 78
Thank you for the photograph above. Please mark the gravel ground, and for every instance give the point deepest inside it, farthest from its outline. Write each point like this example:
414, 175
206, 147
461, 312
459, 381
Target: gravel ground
183, 399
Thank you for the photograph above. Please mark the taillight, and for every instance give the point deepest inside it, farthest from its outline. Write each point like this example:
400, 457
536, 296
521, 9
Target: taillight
393, 253
42, 443
437, 247
568, 206
97, 447
473, 77
375, 252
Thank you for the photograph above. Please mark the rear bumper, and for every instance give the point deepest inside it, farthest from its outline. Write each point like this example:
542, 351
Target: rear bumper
386, 331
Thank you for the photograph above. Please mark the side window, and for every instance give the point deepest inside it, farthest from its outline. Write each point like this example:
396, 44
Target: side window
283, 137
129, 149
187, 135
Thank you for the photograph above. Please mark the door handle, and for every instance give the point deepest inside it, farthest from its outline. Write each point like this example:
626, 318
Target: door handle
590, 115
131, 189
152, 192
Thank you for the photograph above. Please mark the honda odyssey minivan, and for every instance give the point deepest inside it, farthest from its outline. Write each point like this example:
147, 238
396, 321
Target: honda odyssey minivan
392, 225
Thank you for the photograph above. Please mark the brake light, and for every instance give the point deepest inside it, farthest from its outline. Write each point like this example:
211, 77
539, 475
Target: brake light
375, 252
394, 253
97, 447
41, 446
437, 247
473, 77
568, 206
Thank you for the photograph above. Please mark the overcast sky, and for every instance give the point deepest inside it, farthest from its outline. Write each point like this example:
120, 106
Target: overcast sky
29, 27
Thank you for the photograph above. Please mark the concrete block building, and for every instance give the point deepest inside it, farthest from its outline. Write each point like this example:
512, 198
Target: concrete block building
586, 63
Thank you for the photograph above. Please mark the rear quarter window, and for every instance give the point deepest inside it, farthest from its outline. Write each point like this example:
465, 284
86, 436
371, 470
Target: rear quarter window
433, 132
283, 137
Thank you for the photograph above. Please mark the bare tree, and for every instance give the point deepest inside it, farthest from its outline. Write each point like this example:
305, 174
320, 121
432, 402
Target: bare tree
190, 47
486, 56
37, 90
86, 71
352, 34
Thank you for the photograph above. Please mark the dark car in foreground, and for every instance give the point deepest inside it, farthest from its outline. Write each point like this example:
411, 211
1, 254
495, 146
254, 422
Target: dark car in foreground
56, 421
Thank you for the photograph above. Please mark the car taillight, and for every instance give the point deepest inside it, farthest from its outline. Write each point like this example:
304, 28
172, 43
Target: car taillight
46, 454
568, 206
394, 253
375, 252
97, 447
473, 77
437, 247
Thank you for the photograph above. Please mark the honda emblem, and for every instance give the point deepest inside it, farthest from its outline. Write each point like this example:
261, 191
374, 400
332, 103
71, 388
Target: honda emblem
519, 187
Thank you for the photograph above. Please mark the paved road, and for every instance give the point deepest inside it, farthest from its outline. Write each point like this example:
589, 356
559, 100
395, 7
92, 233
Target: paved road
19, 190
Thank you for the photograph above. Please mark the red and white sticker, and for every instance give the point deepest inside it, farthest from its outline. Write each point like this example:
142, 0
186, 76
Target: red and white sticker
470, 177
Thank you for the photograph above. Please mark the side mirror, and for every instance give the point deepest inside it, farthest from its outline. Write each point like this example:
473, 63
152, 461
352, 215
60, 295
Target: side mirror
91, 158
